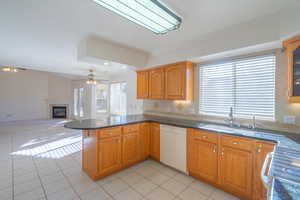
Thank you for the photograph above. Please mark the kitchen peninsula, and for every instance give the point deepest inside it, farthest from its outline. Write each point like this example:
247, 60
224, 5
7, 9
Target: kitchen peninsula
115, 143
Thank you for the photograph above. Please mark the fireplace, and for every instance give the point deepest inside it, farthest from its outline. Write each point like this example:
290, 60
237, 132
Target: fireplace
59, 112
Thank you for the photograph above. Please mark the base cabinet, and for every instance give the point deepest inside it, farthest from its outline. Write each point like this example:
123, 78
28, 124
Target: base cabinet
230, 163
155, 141
109, 150
144, 140
236, 171
90, 153
130, 151
203, 157
109, 155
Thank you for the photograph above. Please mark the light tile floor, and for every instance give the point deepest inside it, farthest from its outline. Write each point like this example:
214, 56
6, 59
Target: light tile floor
41, 160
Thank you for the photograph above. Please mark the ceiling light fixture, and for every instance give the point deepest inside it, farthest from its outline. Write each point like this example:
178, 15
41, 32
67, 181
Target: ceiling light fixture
91, 78
11, 69
151, 14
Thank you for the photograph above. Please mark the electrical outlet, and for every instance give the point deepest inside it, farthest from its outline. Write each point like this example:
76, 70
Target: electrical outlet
289, 119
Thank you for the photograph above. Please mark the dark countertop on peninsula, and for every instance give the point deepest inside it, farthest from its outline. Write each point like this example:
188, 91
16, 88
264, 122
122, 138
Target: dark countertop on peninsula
285, 167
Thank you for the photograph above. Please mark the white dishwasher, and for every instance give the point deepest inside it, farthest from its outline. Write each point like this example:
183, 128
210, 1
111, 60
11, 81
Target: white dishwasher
173, 147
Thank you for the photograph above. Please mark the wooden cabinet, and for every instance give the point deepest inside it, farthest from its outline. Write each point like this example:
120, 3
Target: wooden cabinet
203, 155
155, 141
292, 47
231, 163
236, 165
109, 155
144, 140
179, 81
170, 82
130, 151
236, 171
90, 153
157, 83
261, 151
142, 84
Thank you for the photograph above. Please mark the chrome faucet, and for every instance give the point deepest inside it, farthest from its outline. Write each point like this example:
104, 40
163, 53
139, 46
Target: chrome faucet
253, 126
230, 119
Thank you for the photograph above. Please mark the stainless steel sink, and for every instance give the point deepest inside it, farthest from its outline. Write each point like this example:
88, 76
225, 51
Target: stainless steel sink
219, 128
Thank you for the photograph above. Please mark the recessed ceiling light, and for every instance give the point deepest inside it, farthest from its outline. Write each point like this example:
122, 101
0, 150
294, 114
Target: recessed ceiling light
151, 14
106, 63
124, 67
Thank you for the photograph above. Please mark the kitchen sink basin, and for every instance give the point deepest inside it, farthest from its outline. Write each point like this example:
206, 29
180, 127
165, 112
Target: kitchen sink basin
226, 129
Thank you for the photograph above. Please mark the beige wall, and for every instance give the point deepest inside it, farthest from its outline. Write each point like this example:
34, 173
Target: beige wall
27, 94
189, 109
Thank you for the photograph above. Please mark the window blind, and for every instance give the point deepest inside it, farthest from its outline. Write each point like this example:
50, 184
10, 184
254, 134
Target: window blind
247, 85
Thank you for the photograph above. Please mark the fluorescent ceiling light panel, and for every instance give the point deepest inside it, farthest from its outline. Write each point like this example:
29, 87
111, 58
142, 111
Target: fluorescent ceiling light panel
151, 14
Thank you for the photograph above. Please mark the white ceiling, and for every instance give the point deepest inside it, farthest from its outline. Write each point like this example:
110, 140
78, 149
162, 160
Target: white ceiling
45, 34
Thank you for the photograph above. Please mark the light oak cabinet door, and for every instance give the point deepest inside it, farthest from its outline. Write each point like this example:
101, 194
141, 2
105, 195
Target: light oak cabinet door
203, 159
236, 171
175, 82
155, 141
142, 84
131, 148
110, 150
145, 140
90, 153
157, 83
262, 149
292, 46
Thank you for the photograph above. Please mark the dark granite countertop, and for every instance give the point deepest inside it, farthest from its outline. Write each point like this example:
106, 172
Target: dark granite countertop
285, 167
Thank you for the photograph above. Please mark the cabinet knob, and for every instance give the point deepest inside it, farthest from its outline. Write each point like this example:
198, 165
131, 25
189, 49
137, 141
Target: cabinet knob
222, 153
235, 143
258, 150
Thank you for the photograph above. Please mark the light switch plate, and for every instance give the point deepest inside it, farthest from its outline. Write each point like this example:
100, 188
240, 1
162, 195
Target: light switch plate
289, 119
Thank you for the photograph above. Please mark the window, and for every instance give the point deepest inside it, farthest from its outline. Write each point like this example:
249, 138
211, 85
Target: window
247, 85
118, 98
102, 98
78, 102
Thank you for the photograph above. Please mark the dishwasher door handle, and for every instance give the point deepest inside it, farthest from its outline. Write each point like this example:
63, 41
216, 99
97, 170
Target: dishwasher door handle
266, 179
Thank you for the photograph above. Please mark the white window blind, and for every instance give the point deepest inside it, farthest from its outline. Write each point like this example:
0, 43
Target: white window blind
247, 85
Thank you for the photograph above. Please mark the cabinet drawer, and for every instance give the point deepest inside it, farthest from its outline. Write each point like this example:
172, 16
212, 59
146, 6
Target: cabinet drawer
237, 142
110, 132
205, 136
130, 128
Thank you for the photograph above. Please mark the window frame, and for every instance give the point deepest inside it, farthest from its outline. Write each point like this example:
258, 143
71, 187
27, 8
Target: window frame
235, 60
110, 107
107, 99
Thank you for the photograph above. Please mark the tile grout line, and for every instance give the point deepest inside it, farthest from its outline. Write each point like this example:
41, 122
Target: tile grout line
67, 178
12, 167
38, 174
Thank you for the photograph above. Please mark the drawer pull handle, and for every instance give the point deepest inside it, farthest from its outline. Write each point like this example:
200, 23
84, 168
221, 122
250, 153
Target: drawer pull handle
204, 137
235, 143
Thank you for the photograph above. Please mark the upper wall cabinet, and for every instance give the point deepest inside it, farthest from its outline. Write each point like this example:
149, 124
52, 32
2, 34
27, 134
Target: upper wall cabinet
179, 81
142, 84
293, 54
156, 83
169, 82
